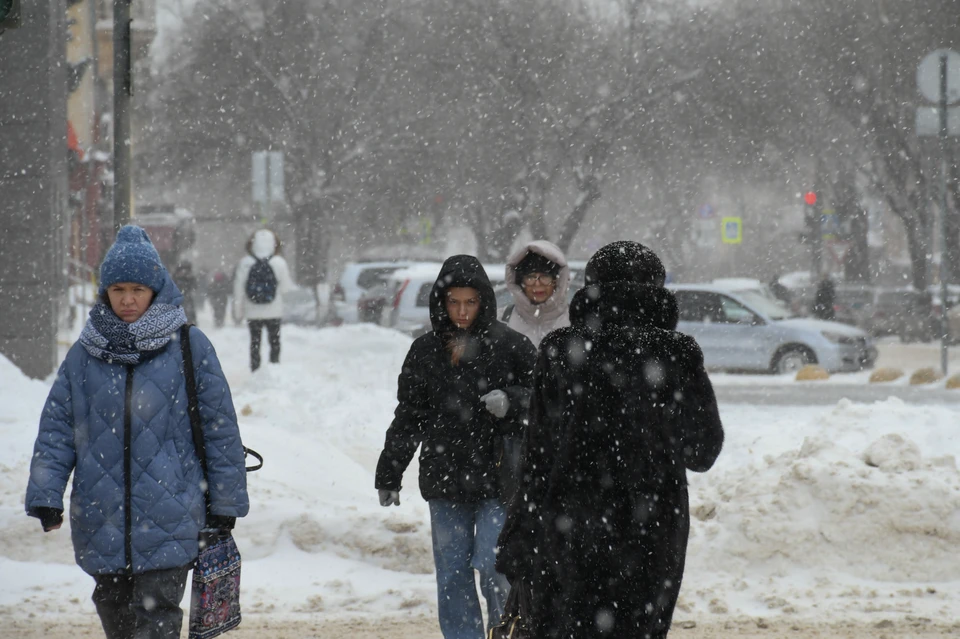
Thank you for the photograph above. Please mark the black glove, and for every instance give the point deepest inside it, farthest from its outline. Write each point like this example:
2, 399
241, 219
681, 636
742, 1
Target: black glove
49, 517
221, 522
389, 497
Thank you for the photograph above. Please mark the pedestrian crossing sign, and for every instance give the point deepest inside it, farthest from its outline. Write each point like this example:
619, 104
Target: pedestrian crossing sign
731, 230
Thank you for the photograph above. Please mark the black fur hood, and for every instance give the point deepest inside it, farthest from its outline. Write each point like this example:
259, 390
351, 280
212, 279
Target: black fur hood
624, 304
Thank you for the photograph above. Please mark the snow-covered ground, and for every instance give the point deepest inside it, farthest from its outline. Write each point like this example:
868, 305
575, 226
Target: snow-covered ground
819, 513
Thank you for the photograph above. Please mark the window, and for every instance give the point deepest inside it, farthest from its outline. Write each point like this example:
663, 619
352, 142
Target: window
370, 277
698, 306
423, 295
734, 312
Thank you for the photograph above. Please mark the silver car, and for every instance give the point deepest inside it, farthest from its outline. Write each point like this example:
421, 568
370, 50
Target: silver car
747, 331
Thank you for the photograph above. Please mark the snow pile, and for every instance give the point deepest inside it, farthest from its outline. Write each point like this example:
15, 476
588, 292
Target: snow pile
868, 501
818, 512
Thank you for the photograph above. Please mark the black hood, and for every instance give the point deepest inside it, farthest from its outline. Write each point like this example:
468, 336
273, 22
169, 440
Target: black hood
624, 304
462, 271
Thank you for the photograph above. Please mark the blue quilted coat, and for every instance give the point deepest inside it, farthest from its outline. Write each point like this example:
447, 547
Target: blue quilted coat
137, 503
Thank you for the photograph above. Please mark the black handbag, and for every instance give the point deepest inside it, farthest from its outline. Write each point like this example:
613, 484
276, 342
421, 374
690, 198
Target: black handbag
516, 622
215, 591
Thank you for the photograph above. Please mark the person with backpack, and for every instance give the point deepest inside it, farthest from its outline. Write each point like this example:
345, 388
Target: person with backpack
538, 278
116, 419
261, 279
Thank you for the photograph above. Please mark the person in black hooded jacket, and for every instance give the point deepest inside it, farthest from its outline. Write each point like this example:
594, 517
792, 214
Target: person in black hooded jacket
621, 409
464, 387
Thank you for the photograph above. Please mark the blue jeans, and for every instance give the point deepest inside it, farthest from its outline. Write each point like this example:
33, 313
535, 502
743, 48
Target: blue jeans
464, 539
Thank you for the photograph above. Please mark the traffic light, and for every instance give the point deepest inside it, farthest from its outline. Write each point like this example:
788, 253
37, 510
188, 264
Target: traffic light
811, 218
9, 14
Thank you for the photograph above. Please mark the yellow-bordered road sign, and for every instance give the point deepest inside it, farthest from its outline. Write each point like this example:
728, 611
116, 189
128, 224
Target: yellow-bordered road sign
731, 230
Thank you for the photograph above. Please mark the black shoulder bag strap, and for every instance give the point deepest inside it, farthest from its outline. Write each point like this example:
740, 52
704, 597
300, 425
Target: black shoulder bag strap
193, 410
507, 313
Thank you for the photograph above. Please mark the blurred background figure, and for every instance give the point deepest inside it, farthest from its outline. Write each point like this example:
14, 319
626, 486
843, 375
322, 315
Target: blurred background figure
261, 279
187, 283
219, 292
824, 300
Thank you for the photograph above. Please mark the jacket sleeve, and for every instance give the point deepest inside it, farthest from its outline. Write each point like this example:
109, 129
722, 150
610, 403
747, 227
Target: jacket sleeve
518, 541
285, 282
698, 425
226, 472
406, 430
54, 453
524, 357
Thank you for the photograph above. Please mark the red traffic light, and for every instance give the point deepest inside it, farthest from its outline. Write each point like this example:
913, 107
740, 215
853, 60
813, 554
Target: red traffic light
810, 198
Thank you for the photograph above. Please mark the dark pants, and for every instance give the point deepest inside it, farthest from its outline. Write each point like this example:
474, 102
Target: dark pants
144, 606
219, 304
256, 334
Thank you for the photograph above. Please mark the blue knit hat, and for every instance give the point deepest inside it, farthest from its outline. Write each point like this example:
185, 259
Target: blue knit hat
132, 258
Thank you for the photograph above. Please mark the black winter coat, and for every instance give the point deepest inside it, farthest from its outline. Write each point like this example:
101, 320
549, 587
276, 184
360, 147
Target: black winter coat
621, 409
439, 403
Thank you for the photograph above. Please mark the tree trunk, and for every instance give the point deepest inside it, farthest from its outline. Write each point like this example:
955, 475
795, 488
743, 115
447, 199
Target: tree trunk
589, 193
853, 217
918, 255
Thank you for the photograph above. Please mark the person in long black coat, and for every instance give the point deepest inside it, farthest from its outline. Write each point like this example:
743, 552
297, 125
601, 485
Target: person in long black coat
824, 300
621, 409
464, 387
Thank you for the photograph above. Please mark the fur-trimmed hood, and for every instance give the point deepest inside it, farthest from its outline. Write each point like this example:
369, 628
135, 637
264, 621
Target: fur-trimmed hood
555, 307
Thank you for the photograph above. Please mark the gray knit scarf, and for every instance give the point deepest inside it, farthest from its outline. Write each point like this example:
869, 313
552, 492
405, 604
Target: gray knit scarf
109, 338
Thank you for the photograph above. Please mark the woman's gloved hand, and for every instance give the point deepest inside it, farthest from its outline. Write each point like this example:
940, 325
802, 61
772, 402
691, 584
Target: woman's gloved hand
221, 522
497, 403
389, 497
50, 518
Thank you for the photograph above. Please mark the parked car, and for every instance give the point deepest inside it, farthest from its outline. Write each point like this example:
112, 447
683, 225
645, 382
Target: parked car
300, 307
746, 331
904, 312
853, 304
347, 302
409, 296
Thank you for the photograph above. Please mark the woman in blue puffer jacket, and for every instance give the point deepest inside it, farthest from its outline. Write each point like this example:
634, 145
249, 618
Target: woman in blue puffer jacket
117, 417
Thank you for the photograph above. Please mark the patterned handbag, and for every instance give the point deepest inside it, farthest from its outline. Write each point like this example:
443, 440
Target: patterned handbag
215, 595
515, 622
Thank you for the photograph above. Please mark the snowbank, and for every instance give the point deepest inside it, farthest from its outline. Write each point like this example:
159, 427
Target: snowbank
817, 512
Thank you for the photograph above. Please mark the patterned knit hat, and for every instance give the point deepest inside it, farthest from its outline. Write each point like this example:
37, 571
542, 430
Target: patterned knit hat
132, 258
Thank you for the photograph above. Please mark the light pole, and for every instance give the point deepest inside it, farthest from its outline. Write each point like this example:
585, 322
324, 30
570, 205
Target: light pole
122, 90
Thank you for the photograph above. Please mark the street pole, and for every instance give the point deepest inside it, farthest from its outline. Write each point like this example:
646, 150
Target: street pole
944, 326
122, 90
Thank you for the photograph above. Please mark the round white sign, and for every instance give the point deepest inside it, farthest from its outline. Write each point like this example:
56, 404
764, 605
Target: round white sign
928, 75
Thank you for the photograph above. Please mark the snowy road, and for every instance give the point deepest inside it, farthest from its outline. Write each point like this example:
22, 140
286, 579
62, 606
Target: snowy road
813, 394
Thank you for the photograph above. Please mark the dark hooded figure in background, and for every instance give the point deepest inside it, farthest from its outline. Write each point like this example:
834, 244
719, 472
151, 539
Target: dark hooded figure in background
464, 387
825, 300
621, 409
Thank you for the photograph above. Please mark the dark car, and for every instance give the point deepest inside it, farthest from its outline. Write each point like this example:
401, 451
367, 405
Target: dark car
906, 313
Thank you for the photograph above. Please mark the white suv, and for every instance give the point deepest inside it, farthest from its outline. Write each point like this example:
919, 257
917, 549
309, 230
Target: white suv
408, 308
354, 281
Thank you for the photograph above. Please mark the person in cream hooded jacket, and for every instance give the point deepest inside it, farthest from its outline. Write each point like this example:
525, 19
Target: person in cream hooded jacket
538, 278
262, 245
